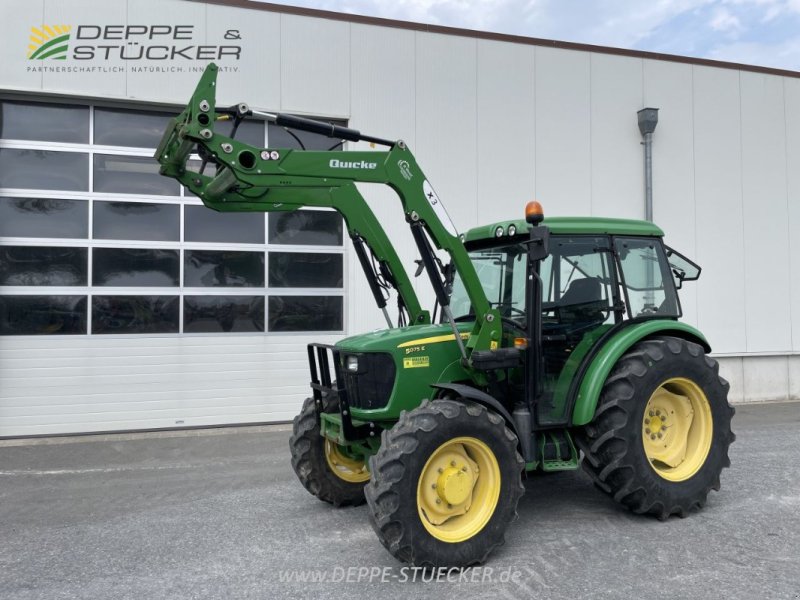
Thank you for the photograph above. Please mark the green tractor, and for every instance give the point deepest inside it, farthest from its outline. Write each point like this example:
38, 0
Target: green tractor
550, 338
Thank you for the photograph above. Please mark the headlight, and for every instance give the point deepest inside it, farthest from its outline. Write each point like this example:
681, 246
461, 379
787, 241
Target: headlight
351, 364
499, 232
512, 229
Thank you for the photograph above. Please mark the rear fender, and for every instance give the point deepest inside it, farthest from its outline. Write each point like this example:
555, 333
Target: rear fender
612, 350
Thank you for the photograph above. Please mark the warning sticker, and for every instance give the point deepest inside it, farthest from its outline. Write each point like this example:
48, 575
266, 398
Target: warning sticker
416, 362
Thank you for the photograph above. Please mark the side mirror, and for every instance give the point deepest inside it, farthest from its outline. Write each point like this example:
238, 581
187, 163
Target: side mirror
539, 243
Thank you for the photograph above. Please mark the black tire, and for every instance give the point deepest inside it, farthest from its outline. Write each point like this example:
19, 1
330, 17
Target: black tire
392, 493
613, 443
311, 466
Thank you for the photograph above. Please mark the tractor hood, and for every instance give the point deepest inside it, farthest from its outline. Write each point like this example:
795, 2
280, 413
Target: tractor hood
399, 366
402, 339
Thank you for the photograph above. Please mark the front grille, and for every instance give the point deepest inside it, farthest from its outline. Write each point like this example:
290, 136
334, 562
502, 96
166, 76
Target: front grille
371, 387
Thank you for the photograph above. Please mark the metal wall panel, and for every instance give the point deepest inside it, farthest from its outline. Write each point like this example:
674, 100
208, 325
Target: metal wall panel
668, 87
792, 112
383, 104
446, 140
766, 219
563, 123
14, 42
315, 66
382, 85
67, 385
155, 85
766, 378
506, 130
794, 377
105, 82
257, 78
617, 157
718, 205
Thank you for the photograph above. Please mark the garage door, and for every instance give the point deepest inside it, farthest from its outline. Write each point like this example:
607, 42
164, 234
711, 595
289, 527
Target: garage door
125, 304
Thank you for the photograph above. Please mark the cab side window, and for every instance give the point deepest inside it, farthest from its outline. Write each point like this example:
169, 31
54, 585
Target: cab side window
650, 289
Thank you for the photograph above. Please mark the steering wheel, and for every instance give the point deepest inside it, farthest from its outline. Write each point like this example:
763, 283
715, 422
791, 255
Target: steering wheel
513, 323
511, 309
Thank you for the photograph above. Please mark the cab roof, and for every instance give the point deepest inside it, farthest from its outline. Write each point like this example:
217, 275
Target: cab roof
571, 226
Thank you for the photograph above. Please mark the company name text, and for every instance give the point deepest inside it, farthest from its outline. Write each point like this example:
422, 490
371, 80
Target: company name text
146, 42
346, 164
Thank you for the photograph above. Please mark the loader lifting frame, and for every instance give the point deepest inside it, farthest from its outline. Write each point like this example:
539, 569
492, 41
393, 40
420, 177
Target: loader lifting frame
262, 180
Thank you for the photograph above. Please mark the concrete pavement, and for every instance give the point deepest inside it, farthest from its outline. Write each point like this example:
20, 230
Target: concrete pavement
219, 514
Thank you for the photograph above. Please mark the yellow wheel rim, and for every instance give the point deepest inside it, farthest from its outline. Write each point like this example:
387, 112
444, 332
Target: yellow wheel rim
343, 466
677, 429
458, 489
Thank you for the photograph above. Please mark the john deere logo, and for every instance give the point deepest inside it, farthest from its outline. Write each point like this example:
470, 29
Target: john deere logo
49, 41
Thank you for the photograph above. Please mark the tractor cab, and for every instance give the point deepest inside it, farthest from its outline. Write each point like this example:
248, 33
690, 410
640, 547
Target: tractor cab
598, 276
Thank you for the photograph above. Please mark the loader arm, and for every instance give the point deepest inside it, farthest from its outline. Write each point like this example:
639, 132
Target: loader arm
254, 179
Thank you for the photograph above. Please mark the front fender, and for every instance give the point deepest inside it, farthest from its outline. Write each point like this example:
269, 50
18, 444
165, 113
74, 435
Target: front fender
470, 393
606, 358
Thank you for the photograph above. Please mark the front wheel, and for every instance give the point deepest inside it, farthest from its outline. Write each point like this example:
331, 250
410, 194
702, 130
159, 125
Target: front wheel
445, 484
659, 439
327, 470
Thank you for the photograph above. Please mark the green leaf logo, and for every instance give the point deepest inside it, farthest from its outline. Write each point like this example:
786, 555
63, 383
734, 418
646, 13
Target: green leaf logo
49, 41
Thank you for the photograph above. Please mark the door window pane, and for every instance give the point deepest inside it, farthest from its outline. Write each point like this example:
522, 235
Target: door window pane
135, 267
305, 269
223, 268
44, 217
202, 224
44, 170
578, 283
37, 265
135, 314
42, 122
214, 314
305, 313
137, 129
136, 221
131, 175
280, 138
42, 315
312, 227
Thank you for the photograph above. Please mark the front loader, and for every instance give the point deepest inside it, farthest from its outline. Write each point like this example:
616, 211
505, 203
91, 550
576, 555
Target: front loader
555, 337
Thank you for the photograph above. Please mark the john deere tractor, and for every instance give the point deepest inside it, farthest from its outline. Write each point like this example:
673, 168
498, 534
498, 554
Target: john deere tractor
550, 339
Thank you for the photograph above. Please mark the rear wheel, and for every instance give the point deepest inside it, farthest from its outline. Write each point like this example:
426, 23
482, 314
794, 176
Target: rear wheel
660, 436
445, 484
327, 470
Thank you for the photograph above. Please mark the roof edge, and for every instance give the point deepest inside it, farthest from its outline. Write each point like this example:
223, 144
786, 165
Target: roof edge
501, 37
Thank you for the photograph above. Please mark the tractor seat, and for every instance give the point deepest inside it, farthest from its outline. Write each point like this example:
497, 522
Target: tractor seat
582, 306
581, 291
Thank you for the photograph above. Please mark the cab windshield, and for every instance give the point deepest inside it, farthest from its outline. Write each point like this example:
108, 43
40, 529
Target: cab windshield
579, 281
501, 271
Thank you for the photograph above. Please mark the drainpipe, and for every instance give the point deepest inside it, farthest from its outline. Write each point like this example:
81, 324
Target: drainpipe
648, 119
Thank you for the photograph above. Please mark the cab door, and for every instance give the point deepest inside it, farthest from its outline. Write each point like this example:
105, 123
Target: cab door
579, 298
